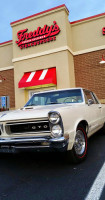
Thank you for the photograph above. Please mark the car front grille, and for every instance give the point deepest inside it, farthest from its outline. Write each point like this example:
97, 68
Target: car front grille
27, 127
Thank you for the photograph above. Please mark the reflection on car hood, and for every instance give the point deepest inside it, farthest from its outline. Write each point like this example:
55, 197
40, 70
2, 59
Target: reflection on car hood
32, 112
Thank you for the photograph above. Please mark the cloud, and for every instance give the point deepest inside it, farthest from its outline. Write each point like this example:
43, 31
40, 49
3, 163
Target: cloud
14, 10
81, 9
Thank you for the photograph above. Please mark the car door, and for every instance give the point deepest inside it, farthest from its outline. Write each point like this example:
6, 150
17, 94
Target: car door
101, 117
94, 111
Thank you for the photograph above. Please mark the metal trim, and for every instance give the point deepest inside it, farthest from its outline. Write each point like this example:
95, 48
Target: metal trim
29, 122
30, 133
31, 139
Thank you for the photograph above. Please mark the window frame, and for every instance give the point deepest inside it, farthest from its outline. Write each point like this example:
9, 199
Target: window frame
93, 97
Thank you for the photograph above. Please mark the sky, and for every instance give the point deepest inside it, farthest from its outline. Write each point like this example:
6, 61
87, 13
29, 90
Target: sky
12, 10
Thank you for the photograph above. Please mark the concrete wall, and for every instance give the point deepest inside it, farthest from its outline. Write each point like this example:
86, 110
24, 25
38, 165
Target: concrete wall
51, 54
58, 60
88, 34
6, 55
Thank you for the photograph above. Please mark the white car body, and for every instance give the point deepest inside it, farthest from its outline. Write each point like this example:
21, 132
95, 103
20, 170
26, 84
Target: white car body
88, 113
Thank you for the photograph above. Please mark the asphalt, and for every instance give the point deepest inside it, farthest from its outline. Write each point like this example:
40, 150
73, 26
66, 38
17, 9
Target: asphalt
46, 176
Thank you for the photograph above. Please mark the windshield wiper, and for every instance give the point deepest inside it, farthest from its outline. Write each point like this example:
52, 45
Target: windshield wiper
31, 105
53, 103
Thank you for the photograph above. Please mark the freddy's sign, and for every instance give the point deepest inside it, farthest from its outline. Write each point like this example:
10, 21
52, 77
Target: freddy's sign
37, 37
103, 30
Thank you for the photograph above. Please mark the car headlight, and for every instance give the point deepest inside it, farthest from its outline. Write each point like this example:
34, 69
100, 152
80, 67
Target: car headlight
54, 117
56, 131
1, 128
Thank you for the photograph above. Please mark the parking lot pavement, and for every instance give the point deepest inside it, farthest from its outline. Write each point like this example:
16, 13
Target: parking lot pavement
45, 176
97, 187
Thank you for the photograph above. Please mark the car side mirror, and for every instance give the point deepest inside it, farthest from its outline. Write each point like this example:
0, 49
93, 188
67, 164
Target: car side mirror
90, 102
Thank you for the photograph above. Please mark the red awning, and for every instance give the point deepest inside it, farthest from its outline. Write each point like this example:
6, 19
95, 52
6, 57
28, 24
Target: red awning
38, 78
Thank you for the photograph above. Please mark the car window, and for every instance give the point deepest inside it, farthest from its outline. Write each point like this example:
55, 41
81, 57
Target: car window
88, 95
95, 99
56, 97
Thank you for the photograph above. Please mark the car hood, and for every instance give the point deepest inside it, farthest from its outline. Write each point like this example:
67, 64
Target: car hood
36, 112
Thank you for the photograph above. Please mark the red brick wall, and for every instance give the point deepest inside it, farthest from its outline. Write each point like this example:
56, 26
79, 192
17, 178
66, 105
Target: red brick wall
89, 73
7, 86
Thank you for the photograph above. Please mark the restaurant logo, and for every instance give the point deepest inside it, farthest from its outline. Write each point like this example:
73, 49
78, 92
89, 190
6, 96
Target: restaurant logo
37, 37
103, 30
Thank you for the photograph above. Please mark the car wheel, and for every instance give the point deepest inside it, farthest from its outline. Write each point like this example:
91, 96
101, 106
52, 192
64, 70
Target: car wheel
103, 129
79, 150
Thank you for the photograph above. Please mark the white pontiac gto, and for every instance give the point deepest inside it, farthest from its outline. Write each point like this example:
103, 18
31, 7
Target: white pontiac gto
57, 120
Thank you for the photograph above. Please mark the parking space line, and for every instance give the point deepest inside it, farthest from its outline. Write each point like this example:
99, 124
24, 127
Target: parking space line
98, 185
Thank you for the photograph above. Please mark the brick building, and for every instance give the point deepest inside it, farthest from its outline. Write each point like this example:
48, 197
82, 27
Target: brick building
49, 52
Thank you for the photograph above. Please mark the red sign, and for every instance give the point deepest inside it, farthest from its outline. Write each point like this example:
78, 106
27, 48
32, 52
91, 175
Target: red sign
37, 37
103, 30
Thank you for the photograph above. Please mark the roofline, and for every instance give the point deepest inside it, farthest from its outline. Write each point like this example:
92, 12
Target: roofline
34, 15
9, 41
87, 18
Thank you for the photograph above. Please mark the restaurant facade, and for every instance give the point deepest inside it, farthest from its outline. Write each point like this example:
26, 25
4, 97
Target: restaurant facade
49, 52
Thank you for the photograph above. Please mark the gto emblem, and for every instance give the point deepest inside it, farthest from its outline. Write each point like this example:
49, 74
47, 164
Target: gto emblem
39, 127
45, 126
33, 127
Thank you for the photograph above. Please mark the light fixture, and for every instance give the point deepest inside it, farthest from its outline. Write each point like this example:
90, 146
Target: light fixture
102, 61
2, 79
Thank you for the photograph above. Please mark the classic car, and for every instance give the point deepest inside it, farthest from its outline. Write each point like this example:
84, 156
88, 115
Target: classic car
56, 120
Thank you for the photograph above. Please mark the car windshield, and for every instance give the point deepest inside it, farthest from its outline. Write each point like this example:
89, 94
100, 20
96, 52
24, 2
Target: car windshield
56, 97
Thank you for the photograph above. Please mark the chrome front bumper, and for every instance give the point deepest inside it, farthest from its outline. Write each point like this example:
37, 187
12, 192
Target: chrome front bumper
36, 143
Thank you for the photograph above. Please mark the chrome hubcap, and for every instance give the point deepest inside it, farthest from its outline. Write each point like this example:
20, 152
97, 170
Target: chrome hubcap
79, 144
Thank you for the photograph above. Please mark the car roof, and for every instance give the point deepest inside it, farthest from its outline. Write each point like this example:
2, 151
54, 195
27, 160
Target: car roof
55, 90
